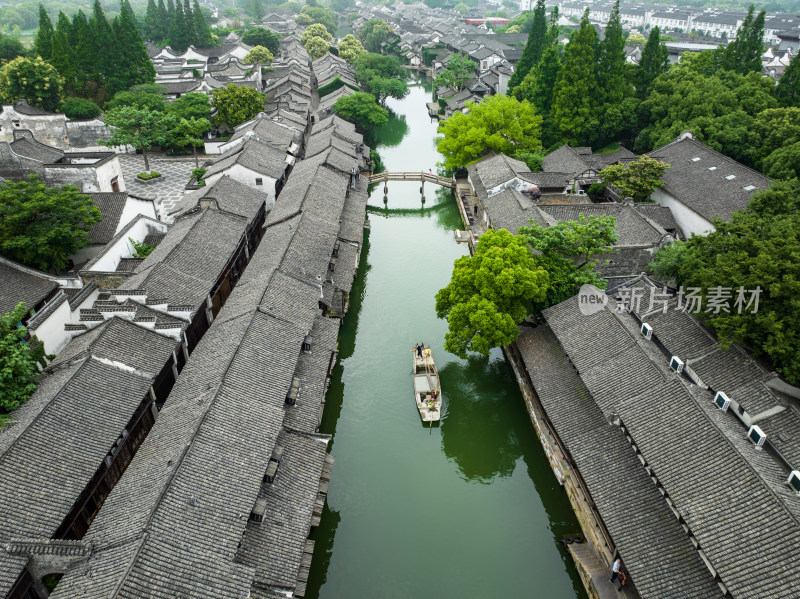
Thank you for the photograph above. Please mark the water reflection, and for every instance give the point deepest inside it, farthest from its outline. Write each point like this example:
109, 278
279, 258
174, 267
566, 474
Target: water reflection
323, 537
480, 432
390, 133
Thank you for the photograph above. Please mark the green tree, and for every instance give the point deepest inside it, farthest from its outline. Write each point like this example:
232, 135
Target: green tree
19, 360
361, 109
758, 247
255, 9
80, 109
202, 32
188, 16
316, 30
179, 34
150, 26
317, 14
42, 226
258, 55
537, 87
490, 293
34, 80
614, 84
569, 251
63, 59
654, 62
373, 33
574, 96
189, 132
140, 128
258, 36
533, 48
151, 101
719, 109
164, 23
636, 179
236, 104
350, 48
316, 47
10, 48
382, 76
743, 54
787, 91
194, 105
460, 71
500, 124
462, 8
131, 53
637, 39
44, 37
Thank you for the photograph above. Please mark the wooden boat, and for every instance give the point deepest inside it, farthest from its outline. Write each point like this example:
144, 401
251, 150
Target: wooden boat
427, 391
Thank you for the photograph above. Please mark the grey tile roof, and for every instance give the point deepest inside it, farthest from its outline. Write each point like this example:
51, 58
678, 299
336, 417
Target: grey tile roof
498, 169
510, 210
564, 160
21, 284
632, 229
661, 215
639, 521
184, 267
32, 149
22, 107
111, 205
727, 492
259, 157
230, 196
710, 193
268, 131
87, 414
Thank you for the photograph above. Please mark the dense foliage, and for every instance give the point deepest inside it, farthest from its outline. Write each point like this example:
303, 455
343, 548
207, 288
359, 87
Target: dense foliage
758, 247
258, 55
138, 127
79, 108
19, 360
361, 109
258, 36
537, 40
636, 179
500, 124
350, 48
373, 33
382, 76
236, 104
34, 80
460, 71
42, 226
176, 24
490, 293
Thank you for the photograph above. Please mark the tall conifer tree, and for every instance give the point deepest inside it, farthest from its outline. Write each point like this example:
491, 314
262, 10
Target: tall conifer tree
163, 23
107, 60
654, 61
85, 54
150, 26
132, 53
788, 90
44, 37
178, 34
202, 31
189, 18
611, 75
574, 94
743, 54
533, 48
62, 59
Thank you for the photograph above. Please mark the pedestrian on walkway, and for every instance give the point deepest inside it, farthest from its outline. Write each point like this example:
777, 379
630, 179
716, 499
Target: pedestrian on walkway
615, 571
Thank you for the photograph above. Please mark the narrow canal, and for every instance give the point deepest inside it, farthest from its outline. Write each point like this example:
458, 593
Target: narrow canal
465, 510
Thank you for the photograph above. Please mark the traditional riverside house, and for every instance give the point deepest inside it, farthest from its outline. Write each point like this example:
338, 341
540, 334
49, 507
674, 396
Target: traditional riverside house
88, 171
702, 184
288, 138
254, 164
665, 414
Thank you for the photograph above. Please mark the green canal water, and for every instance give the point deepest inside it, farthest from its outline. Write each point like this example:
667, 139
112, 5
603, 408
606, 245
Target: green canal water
469, 508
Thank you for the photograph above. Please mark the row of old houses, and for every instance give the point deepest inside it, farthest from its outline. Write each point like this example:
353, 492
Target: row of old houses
679, 457
171, 447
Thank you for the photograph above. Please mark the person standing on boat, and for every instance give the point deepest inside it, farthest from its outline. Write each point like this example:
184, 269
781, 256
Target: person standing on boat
418, 347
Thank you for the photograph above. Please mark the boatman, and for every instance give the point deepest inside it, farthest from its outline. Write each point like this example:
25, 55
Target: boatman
418, 347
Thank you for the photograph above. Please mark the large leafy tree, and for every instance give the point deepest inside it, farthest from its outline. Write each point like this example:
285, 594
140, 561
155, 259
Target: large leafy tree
140, 99
373, 33
138, 127
778, 131
719, 109
34, 80
758, 247
189, 132
569, 251
382, 76
316, 30
316, 47
19, 360
259, 36
258, 55
192, 105
10, 48
236, 104
317, 14
574, 96
654, 62
533, 48
361, 109
42, 226
460, 71
788, 89
500, 124
636, 179
349, 48
490, 293
44, 36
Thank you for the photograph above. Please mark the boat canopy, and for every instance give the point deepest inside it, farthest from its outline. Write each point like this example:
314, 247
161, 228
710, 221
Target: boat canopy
422, 384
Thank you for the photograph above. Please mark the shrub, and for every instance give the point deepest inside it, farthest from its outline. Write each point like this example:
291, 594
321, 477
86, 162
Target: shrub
140, 248
197, 175
148, 175
80, 109
596, 189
